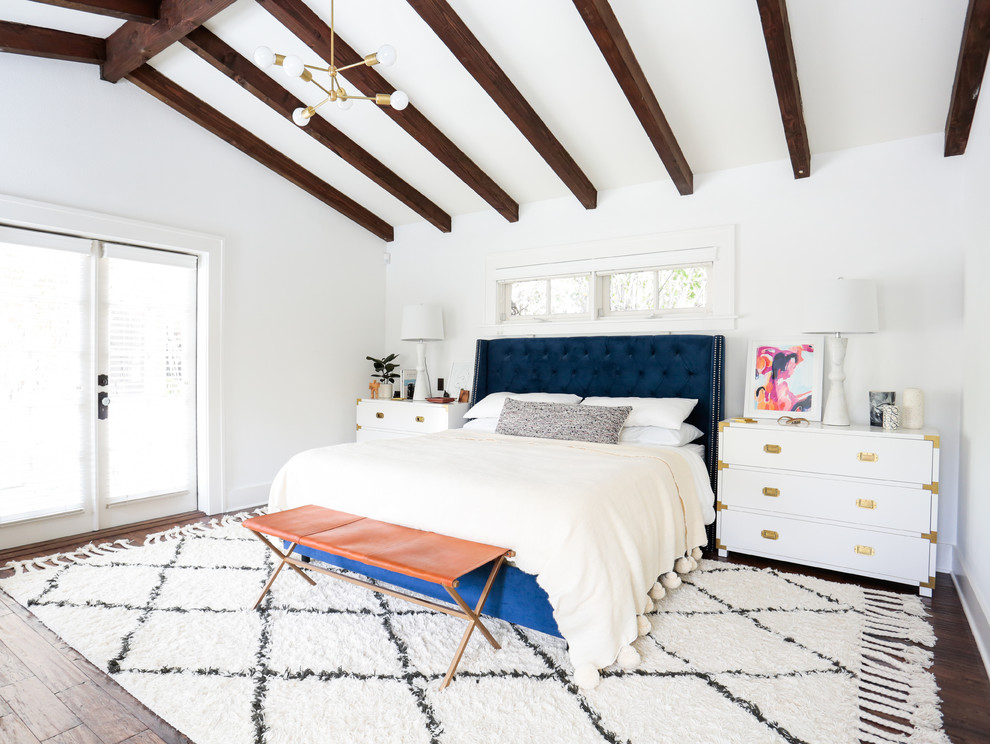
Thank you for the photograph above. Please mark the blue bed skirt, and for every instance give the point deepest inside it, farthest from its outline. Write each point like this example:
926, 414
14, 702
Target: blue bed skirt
515, 596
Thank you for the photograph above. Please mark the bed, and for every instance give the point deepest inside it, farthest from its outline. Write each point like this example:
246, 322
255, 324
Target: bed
671, 366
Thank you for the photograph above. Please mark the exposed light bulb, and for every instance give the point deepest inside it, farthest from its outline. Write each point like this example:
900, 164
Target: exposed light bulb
293, 66
301, 116
386, 55
344, 103
264, 57
399, 100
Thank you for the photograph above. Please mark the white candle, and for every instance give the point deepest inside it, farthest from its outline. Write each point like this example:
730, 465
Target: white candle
912, 408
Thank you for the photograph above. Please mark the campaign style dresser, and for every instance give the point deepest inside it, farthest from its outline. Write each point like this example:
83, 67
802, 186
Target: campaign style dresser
856, 499
392, 419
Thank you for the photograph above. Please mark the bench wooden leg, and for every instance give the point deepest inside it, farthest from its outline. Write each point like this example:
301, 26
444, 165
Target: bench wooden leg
473, 620
278, 569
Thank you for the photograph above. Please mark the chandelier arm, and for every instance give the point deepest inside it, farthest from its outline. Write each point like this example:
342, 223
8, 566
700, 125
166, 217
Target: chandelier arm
320, 87
316, 106
355, 64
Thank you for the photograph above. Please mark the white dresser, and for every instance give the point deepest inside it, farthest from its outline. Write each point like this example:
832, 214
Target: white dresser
856, 498
391, 419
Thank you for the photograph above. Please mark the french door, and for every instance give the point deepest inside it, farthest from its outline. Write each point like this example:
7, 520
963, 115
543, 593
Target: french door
97, 385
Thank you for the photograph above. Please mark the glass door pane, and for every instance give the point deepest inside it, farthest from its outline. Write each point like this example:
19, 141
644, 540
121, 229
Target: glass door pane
148, 321
46, 385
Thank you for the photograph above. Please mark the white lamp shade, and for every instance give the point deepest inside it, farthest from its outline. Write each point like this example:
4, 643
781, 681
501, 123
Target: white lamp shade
422, 323
842, 306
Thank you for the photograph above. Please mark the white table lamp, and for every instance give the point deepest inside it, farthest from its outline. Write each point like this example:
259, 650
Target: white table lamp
835, 307
422, 323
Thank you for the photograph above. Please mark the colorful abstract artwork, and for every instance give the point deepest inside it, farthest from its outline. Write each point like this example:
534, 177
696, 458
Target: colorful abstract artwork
785, 378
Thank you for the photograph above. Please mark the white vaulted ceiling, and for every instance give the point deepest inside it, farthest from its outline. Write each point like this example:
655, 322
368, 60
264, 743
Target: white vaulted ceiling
869, 72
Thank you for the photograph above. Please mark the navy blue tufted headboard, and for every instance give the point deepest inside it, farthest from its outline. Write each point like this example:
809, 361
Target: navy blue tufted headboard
673, 366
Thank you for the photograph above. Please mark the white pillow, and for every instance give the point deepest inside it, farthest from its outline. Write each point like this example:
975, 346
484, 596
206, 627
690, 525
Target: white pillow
491, 405
482, 424
658, 435
668, 413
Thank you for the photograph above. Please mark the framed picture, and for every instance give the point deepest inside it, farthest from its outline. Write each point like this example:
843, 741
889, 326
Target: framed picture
408, 380
784, 377
459, 378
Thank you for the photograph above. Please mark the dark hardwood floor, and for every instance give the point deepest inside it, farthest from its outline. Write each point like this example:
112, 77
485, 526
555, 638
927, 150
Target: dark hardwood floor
49, 694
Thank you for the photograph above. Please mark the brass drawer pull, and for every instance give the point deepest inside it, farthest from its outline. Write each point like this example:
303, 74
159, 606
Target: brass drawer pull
769, 534
767, 491
865, 550
379, 415
866, 504
420, 419
773, 449
868, 457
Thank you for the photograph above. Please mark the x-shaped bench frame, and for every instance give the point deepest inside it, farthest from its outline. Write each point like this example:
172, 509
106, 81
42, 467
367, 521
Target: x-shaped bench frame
464, 612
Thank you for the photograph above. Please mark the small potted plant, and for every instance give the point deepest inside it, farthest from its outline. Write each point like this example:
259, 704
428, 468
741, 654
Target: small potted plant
385, 374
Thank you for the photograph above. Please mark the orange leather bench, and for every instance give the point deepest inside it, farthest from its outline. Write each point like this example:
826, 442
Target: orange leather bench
439, 559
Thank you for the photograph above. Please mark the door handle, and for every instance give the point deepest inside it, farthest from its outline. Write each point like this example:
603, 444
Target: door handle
102, 403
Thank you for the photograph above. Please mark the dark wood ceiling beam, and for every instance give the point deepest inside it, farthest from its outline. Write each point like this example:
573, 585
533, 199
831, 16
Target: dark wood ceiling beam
209, 118
133, 44
141, 11
35, 41
611, 39
469, 51
970, 70
777, 33
244, 72
298, 18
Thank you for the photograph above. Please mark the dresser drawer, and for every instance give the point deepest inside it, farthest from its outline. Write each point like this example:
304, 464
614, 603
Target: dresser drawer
859, 503
874, 456
880, 554
408, 417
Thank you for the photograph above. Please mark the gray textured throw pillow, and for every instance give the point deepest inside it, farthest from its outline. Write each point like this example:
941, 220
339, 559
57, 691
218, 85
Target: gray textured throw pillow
601, 424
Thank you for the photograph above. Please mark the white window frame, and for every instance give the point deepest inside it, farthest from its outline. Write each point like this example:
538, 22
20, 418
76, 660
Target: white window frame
605, 293
505, 301
209, 250
715, 245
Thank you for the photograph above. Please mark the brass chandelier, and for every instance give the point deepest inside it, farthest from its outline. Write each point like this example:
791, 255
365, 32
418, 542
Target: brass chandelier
294, 67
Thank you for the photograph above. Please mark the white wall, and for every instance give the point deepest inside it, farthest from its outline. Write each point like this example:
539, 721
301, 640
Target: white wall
303, 287
888, 212
973, 555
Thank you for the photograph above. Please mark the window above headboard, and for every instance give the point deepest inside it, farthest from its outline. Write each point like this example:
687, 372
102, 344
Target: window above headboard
682, 281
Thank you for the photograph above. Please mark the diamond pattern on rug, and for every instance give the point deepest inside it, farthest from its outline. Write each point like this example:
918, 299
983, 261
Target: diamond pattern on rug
194, 588
213, 642
734, 643
212, 708
333, 643
364, 711
784, 699
430, 639
84, 583
496, 710
682, 712
734, 655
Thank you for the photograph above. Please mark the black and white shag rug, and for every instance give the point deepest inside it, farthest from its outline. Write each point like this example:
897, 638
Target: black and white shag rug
735, 655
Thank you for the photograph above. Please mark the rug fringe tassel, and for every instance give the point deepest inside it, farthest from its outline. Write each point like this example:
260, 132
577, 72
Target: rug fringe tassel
894, 680
92, 550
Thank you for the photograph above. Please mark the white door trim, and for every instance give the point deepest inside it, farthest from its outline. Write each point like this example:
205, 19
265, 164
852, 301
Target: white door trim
209, 248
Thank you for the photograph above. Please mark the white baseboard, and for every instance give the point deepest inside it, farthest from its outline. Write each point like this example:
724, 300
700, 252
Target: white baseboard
248, 497
976, 608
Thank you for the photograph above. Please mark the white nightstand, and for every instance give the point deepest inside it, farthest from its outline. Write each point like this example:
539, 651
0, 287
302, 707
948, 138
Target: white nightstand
856, 498
392, 419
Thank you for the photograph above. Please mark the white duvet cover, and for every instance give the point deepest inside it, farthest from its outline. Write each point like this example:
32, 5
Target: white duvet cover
597, 524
